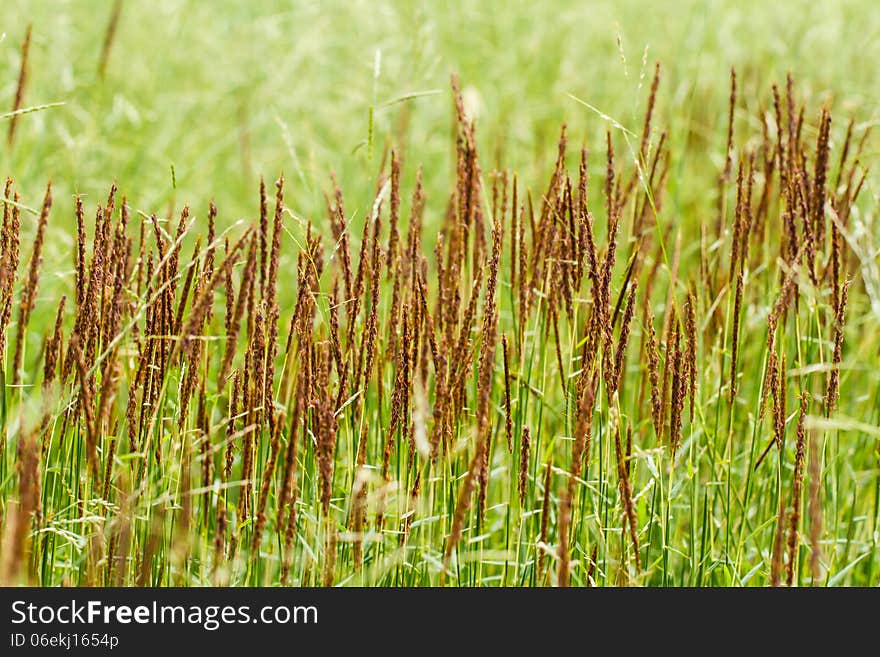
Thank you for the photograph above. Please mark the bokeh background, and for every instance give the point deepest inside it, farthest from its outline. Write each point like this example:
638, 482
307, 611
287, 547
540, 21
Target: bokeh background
226, 91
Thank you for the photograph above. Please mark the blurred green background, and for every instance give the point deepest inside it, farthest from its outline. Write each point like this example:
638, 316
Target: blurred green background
226, 91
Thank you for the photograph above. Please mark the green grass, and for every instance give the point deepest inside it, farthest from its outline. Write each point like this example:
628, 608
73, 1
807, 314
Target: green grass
198, 101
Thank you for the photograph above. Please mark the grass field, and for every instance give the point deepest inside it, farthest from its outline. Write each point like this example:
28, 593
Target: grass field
379, 294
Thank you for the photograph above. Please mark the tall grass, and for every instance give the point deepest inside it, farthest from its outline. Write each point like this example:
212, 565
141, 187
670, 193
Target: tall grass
523, 381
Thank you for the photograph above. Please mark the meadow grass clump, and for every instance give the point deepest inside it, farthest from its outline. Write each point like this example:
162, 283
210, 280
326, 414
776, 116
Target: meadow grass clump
325, 401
